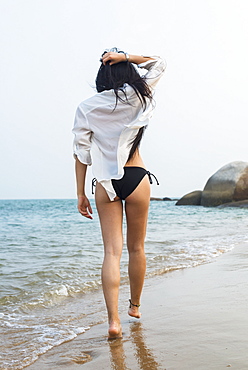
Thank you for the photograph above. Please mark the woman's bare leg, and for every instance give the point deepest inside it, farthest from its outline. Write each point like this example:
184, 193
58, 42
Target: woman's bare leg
111, 216
136, 207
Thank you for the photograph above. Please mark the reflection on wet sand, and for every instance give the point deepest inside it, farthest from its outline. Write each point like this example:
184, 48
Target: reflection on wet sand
117, 355
144, 356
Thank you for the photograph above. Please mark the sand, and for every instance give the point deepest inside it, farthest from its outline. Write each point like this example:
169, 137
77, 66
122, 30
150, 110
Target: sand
196, 318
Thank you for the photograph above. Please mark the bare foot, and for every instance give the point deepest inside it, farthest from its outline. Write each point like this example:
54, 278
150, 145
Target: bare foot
115, 330
134, 312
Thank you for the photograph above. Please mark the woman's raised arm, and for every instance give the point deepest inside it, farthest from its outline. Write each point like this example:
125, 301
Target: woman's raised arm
113, 58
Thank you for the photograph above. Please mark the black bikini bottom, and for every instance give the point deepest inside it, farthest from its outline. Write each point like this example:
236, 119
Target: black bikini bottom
129, 182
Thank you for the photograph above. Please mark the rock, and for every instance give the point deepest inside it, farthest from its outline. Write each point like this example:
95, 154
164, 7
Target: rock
228, 184
190, 199
167, 199
239, 204
152, 198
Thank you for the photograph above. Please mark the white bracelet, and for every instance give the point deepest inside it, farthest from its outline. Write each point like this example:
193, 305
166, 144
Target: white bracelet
127, 56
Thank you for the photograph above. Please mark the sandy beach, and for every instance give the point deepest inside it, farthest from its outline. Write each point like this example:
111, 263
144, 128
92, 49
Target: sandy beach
194, 318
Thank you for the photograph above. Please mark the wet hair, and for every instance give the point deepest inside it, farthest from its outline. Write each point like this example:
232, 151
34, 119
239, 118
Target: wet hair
114, 77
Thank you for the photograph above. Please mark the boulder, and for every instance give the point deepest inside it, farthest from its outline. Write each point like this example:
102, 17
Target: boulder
190, 199
228, 184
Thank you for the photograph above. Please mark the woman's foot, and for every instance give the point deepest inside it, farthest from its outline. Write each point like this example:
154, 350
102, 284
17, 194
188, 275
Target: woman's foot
134, 310
115, 330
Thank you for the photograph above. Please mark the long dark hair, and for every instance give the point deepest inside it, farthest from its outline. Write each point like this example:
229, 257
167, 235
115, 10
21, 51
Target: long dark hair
114, 77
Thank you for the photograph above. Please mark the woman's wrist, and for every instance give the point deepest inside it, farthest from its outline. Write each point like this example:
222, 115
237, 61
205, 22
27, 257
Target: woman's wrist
138, 59
127, 57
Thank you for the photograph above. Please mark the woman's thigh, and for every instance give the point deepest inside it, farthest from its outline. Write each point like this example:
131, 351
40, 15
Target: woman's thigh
136, 208
111, 217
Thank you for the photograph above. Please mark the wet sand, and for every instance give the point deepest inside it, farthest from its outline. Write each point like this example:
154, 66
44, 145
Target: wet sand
192, 319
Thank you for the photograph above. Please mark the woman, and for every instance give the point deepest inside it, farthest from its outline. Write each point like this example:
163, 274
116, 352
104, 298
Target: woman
108, 127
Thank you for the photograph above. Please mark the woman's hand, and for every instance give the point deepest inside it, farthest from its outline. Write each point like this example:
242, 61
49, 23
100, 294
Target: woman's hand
84, 207
113, 58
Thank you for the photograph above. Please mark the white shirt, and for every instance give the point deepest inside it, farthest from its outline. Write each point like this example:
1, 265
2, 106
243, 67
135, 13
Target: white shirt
104, 135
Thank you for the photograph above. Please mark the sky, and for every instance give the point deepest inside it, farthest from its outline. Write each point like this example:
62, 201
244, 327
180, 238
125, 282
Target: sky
50, 52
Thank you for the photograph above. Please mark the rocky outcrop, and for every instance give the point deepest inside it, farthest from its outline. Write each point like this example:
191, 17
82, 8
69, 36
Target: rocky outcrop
157, 199
228, 184
161, 199
190, 199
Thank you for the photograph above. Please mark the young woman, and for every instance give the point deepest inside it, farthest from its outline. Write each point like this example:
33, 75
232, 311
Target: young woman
108, 129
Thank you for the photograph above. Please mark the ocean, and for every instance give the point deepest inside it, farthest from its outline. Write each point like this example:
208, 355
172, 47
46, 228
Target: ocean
50, 266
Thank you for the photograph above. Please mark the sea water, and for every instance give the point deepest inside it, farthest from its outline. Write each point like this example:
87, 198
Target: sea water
50, 265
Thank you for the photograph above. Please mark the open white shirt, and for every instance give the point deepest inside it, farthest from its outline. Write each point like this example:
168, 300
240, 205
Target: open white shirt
104, 132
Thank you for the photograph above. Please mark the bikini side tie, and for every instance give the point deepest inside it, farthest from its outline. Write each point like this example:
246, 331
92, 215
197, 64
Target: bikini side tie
93, 185
150, 177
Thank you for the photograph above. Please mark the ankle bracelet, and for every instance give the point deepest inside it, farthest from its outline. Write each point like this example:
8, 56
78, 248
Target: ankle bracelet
132, 304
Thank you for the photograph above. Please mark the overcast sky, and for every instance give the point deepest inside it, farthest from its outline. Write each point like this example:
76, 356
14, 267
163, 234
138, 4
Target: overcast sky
50, 53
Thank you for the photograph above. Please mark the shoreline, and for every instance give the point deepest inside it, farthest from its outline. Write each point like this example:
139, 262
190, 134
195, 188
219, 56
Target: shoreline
192, 319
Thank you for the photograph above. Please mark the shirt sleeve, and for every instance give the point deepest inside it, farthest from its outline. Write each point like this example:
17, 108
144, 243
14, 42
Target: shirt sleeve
155, 69
82, 138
